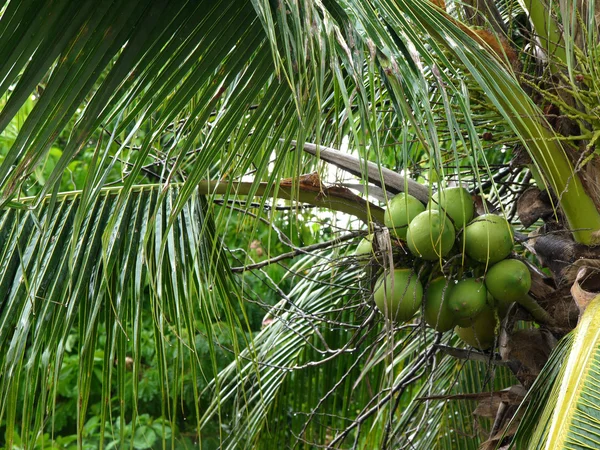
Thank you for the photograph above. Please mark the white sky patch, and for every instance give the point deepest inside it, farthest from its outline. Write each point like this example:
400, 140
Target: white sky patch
249, 178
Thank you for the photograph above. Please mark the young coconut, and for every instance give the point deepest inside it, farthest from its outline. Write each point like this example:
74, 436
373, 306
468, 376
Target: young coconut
488, 239
399, 294
500, 307
364, 250
401, 210
436, 312
482, 332
456, 202
430, 235
467, 299
508, 281
491, 302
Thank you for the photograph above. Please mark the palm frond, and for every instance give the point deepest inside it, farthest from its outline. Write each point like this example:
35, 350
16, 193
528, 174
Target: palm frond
252, 383
428, 422
563, 403
56, 279
204, 94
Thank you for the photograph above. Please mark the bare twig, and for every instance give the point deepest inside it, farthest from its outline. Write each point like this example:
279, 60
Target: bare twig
472, 355
402, 384
298, 251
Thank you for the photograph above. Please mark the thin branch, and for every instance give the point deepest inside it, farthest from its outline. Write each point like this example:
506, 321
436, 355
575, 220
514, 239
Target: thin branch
472, 355
298, 251
406, 380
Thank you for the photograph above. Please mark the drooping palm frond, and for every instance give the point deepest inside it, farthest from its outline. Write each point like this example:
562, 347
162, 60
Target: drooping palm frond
253, 382
436, 422
183, 82
189, 91
57, 279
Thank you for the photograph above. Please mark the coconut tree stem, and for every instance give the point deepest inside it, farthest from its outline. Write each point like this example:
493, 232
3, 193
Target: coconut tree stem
550, 157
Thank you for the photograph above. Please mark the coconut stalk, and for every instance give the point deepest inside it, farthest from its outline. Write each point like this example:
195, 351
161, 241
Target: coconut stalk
537, 312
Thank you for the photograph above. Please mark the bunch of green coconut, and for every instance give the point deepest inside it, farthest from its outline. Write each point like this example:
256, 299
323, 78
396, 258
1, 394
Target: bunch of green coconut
471, 305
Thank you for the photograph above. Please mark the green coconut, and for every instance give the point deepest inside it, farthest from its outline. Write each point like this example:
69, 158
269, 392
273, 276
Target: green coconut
401, 210
364, 250
491, 301
467, 299
508, 281
399, 294
482, 331
456, 202
435, 311
430, 235
488, 239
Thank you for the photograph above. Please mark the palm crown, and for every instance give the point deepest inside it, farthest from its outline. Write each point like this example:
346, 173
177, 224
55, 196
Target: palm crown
147, 143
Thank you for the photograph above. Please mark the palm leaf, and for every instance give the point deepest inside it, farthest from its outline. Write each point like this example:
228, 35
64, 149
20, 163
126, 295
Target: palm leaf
214, 90
53, 279
252, 383
563, 405
450, 423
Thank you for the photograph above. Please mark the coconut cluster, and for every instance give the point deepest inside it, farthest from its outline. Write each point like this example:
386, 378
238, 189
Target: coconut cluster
469, 304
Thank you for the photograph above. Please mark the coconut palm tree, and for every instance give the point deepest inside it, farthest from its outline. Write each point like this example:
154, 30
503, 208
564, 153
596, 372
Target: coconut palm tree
193, 116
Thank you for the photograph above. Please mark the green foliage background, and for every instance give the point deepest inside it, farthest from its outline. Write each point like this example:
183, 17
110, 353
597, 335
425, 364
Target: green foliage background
134, 103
